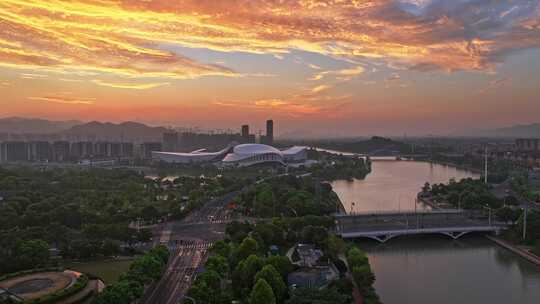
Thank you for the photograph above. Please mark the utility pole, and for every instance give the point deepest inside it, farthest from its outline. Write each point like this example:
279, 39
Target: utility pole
486, 165
525, 220
416, 213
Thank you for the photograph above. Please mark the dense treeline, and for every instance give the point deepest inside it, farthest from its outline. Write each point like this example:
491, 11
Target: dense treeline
242, 268
290, 196
332, 167
143, 271
370, 145
467, 193
87, 213
362, 274
499, 169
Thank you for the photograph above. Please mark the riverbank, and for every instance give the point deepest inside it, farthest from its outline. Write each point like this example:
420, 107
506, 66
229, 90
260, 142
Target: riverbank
462, 167
428, 202
519, 251
340, 208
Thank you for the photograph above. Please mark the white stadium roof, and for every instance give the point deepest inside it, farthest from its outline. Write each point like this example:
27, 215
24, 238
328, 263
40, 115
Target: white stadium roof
242, 155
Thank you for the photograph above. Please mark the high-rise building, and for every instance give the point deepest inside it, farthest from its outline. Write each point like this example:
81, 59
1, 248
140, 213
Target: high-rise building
115, 150
269, 138
127, 149
102, 149
170, 141
61, 151
82, 149
14, 151
148, 147
528, 144
39, 151
245, 132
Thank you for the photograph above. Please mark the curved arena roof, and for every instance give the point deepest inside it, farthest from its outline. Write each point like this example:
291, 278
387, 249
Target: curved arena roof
250, 154
234, 154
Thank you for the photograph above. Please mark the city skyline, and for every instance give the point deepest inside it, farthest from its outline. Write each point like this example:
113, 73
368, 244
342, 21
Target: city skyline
330, 68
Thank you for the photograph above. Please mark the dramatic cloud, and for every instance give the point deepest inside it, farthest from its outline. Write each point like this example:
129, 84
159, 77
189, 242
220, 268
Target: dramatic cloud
320, 88
126, 85
295, 106
130, 37
345, 74
63, 99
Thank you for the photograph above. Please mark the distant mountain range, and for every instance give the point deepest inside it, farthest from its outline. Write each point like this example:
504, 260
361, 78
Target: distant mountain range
530, 130
128, 131
19, 125
374, 145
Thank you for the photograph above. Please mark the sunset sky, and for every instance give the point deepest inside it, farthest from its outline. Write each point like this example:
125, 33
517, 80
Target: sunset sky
334, 67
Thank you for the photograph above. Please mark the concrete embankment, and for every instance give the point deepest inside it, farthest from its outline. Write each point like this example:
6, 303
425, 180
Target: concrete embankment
339, 203
450, 164
521, 252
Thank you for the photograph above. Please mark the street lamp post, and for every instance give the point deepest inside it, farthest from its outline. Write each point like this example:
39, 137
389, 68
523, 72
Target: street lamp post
525, 220
489, 214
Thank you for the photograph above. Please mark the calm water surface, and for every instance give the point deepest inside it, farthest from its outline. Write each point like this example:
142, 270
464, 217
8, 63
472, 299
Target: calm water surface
471, 270
431, 269
393, 185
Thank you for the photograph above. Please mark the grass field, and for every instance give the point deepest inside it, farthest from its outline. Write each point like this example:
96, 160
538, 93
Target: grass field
109, 271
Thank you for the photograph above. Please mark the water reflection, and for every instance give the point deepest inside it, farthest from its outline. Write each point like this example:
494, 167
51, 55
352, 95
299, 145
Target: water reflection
393, 185
438, 270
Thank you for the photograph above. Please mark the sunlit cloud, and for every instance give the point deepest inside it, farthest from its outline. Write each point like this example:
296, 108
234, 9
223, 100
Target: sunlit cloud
127, 85
128, 37
63, 99
70, 80
344, 74
294, 106
33, 76
320, 88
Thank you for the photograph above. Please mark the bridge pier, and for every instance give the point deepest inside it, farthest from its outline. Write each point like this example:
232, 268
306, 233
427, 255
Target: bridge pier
455, 235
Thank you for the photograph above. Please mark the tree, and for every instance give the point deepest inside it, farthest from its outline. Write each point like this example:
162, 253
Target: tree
31, 253
248, 247
244, 274
218, 264
426, 188
281, 264
221, 248
110, 248
363, 276
274, 279
314, 234
262, 293
507, 214
314, 295
335, 245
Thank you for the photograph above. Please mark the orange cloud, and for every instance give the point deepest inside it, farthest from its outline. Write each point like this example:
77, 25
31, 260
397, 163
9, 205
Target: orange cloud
126, 85
63, 99
320, 88
128, 37
344, 74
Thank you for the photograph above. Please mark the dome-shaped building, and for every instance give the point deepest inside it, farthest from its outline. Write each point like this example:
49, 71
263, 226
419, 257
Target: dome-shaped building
252, 154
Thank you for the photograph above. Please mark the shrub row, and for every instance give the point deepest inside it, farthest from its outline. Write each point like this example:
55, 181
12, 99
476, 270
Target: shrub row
29, 271
80, 284
143, 271
362, 275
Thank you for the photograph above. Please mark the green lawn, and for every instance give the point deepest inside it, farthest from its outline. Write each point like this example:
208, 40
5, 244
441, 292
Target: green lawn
109, 271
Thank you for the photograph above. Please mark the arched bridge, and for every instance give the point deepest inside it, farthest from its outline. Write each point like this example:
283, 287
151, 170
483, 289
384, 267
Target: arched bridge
385, 226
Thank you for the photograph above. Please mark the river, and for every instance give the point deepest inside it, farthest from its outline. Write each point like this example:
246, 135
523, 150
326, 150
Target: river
431, 269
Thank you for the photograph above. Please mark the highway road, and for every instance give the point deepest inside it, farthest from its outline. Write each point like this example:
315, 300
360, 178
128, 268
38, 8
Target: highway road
188, 240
